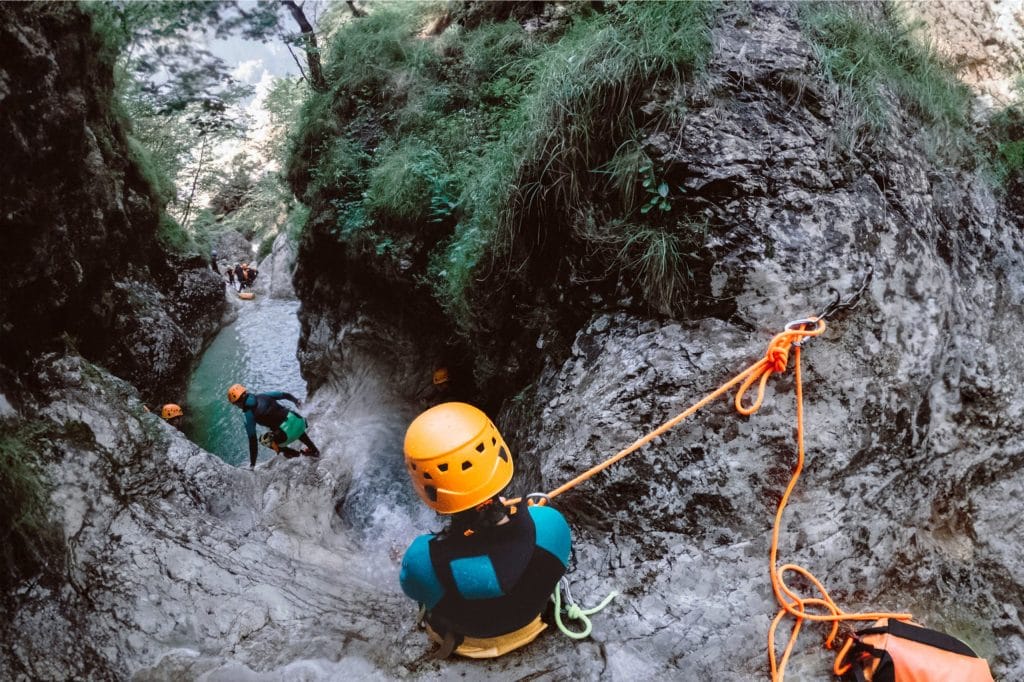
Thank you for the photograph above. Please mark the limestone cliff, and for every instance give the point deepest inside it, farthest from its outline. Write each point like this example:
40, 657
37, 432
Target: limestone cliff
78, 225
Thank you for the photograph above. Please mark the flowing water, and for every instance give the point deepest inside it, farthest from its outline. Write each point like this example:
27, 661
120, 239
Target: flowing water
359, 429
257, 350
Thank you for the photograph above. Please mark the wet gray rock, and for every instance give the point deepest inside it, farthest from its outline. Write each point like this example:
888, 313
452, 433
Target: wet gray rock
275, 278
232, 247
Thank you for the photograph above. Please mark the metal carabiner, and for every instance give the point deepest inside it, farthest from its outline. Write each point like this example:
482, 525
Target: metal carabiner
797, 325
802, 322
541, 499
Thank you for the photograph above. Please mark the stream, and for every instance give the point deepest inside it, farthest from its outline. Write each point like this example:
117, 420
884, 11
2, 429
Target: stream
257, 350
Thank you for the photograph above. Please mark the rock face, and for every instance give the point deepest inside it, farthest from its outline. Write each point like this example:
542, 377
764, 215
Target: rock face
78, 225
275, 279
232, 247
983, 40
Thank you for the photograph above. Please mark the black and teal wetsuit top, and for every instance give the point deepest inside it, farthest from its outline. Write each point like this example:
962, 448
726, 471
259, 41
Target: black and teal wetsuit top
492, 582
263, 409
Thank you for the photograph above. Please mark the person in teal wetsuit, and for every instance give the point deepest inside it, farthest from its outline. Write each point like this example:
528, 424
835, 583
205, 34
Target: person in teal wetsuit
285, 425
484, 581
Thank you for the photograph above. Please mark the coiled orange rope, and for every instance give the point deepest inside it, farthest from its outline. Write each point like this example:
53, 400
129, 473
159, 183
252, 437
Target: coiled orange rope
789, 601
775, 361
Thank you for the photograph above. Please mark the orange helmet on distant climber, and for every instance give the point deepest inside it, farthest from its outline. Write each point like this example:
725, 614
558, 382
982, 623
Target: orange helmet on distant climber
236, 392
170, 411
456, 458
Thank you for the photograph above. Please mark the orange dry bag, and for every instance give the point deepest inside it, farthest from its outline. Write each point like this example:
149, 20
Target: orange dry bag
898, 651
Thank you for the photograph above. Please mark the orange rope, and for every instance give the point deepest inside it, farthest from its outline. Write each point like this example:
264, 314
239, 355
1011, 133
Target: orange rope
788, 600
775, 361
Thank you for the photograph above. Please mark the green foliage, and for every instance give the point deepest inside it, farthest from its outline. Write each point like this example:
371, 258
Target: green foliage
874, 59
266, 247
407, 184
297, 219
174, 238
339, 167
1005, 133
155, 43
623, 170
1012, 156
466, 137
379, 55
659, 194
151, 170
655, 257
29, 540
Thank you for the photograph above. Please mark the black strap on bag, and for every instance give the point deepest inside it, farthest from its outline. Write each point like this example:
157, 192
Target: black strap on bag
888, 669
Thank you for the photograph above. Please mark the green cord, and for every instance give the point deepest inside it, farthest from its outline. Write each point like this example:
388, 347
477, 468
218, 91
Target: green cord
575, 612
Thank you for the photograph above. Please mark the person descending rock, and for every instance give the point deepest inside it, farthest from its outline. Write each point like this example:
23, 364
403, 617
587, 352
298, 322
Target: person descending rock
213, 261
285, 425
172, 414
250, 276
239, 276
486, 579
231, 276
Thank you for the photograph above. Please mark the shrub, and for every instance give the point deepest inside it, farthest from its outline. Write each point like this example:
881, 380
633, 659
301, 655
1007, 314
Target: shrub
29, 540
402, 185
174, 238
487, 128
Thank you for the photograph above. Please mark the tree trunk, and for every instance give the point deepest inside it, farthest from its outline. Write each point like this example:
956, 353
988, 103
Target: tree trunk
316, 72
195, 182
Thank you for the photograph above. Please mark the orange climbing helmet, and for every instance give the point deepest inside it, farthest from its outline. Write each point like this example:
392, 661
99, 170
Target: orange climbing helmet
456, 458
170, 411
440, 376
236, 392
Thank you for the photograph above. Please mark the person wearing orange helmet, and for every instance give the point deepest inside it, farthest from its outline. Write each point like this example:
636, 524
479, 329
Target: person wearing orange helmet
485, 580
172, 414
285, 425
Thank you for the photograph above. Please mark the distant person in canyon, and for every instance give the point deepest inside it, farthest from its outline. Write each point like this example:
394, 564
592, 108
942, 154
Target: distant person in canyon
285, 425
213, 262
172, 414
485, 580
231, 276
239, 276
250, 276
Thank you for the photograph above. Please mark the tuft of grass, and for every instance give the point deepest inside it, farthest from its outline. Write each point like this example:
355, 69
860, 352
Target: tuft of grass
876, 59
629, 163
163, 186
402, 185
1005, 133
29, 540
379, 55
575, 108
174, 238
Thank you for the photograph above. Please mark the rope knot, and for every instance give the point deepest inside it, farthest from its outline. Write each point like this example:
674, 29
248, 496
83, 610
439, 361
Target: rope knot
778, 355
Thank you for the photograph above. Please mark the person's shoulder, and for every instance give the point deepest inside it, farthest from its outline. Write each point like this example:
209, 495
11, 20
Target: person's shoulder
418, 578
552, 531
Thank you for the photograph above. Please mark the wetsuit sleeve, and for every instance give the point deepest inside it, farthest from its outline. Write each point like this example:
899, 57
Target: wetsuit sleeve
552, 532
418, 579
250, 430
278, 395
